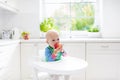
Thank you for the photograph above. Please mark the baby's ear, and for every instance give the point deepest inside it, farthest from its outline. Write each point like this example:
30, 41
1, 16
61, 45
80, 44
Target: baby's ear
46, 41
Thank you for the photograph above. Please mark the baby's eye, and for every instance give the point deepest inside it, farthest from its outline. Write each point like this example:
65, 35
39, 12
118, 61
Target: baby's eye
53, 40
58, 39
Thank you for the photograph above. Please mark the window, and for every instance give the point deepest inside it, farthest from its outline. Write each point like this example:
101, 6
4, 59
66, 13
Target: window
70, 16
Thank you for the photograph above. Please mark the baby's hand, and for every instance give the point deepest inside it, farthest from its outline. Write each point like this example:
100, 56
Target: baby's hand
58, 47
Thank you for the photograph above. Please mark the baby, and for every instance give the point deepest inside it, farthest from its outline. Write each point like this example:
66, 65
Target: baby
53, 52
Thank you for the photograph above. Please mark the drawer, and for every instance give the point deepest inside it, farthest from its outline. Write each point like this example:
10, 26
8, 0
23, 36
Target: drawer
103, 48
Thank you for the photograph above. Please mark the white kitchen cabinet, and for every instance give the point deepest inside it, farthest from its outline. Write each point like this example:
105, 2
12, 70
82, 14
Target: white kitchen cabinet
4, 1
103, 61
76, 49
12, 3
14, 64
9, 5
30, 50
10, 62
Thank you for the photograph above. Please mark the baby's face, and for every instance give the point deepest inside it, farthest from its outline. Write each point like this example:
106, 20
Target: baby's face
53, 39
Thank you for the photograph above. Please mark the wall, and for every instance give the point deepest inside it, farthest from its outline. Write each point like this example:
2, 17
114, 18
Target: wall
1, 18
1, 21
111, 19
28, 18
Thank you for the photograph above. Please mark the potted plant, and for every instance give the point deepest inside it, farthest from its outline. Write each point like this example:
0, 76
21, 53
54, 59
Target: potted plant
94, 32
25, 35
46, 25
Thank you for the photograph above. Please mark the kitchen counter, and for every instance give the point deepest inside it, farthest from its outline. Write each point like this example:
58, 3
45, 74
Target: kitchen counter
7, 42
75, 40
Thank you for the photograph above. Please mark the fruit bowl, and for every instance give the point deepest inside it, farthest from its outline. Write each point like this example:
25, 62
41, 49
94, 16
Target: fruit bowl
25, 35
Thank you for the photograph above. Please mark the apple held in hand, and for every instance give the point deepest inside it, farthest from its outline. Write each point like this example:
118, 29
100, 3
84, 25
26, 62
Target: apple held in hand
58, 45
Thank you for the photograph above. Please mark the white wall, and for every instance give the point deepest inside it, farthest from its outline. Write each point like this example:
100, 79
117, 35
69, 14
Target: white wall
1, 21
27, 19
111, 19
1, 18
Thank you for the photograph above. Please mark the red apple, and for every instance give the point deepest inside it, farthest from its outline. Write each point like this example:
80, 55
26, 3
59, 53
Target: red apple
26, 37
58, 45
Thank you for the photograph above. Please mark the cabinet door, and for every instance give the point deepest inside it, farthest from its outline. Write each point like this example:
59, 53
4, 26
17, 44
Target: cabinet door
9, 5
28, 53
14, 64
10, 62
76, 50
41, 46
103, 61
12, 3
3, 1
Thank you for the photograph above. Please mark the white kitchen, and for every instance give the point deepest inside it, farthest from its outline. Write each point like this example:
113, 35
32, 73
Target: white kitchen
74, 20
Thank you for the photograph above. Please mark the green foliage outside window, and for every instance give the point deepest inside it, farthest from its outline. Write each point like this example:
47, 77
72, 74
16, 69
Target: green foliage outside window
93, 29
85, 16
82, 23
81, 18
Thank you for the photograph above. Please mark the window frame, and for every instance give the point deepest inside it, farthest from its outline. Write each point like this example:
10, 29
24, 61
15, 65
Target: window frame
78, 34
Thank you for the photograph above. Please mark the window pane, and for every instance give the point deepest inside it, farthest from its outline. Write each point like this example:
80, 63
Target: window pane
82, 10
75, 15
81, 23
67, 1
57, 10
63, 23
76, 0
57, 1
89, 0
82, 15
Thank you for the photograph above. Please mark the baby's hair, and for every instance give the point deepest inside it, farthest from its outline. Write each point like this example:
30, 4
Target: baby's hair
50, 32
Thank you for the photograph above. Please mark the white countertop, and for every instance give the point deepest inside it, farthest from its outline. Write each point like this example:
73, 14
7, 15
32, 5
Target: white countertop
74, 40
7, 42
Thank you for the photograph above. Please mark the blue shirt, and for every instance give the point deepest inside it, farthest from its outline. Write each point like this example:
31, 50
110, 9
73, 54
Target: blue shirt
49, 54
